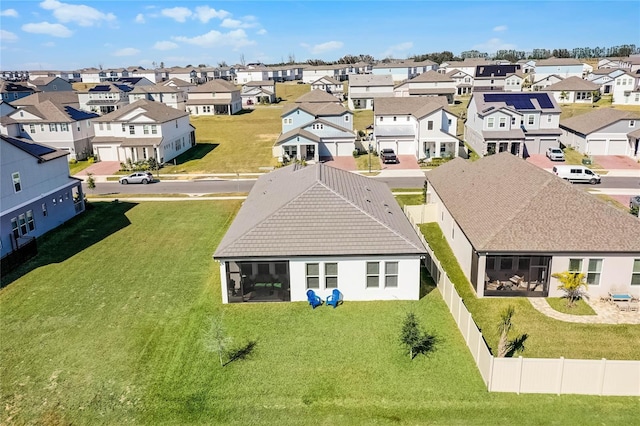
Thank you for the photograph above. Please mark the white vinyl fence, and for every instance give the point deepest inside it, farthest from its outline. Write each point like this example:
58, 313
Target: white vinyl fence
532, 375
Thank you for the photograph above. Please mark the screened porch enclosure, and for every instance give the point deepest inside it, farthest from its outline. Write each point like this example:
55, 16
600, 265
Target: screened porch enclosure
256, 281
524, 275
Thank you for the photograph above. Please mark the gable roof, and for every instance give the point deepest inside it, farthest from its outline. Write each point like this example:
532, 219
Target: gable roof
404, 64
11, 87
176, 82
519, 207
316, 95
558, 61
156, 111
518, 101
60, 98
572, 83
432, 76
215, 86
260, 83
318, 109
371, 80
326, 80
416, 106
596, 120
155, 88
51, 112
319, 210
39, 151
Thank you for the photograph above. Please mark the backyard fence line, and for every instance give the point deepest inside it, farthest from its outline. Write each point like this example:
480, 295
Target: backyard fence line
531, 375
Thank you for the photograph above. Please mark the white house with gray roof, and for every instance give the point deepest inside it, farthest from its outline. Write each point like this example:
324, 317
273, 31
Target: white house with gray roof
513, 233
574, 90
364, 89
168, 95
216, 97
417, 126
142, 130
319, 228
521, 123
563, 67
626, 89
404, 70
329, 85
604, 131
430, 83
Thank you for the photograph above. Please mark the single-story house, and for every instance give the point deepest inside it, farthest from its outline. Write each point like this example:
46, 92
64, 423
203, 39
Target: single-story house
321, 228
524, 224
255, 92
574, 90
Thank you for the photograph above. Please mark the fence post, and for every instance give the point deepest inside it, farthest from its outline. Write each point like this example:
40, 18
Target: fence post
520, 374
603, 369
560, 374
490, 379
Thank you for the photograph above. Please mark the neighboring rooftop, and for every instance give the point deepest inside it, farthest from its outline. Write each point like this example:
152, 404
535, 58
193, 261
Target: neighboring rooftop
315, 96
319, 210
519, 207
516, 100
415, 106
156, 111
489, 71
40, 151
597, 119
215, 86
571, 84
363, 80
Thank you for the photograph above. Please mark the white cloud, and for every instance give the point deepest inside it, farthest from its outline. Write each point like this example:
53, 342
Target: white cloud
127, 51
140, 18
231, 23
398, 49
493, 45
55, 30
49, 44
165, 45
180, 14
205, 13
261, 31
7, 36
324, 47
83, 15
9, 12
246, 22
235, 39
500, 28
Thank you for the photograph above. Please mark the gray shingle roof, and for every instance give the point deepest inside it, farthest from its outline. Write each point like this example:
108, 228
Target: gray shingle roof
363, 80
432, 76
317, 109
215, 86
518, 207
596, 120
157, 111
572, 83
60, 98
318, 210
416, 106
317, 95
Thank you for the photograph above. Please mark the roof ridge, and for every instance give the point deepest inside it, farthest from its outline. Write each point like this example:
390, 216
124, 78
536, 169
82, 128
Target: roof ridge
366, 213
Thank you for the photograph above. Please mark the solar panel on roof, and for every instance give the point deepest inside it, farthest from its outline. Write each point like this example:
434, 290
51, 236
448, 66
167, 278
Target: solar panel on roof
79, 115
520, 100
124, 87
32, 148
100, 88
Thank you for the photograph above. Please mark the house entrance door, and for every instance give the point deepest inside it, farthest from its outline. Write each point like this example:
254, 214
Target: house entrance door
311, 152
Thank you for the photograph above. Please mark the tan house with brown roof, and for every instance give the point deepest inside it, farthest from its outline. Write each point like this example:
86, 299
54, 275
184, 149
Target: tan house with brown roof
513, 233
574, 90
430, 83
604, 131
216, 97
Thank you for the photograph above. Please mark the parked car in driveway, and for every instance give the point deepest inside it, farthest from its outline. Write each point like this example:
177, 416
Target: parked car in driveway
137, 177
555, 154
388, 156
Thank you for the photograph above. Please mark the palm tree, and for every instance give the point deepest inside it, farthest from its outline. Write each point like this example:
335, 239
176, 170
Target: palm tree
572, 284
508, 347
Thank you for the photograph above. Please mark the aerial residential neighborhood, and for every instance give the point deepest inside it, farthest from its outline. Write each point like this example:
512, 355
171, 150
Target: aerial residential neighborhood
307, 212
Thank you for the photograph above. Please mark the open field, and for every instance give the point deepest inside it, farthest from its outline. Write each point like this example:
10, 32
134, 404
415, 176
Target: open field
548, 338
108, 325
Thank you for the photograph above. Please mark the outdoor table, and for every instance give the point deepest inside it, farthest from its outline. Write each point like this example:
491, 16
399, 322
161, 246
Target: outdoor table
620, 297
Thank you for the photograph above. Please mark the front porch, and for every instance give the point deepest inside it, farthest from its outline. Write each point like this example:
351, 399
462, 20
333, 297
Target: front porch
300, 152
439, 149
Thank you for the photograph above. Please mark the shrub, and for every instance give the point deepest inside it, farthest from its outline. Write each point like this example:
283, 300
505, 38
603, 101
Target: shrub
356, 153
73, 161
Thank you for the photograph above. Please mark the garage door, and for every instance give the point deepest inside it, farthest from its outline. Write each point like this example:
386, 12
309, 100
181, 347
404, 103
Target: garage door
618, 147
107, 153
596, 147
546, 144
382, 144
406, 148
345, 149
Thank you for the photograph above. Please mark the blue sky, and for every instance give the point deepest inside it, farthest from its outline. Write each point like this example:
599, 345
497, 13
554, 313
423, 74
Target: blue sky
67, 35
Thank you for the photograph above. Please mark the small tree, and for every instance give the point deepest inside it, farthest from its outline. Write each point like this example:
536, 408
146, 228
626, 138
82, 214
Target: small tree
216, 339
91, 182
563, 95
572, 284
414, 339
508, 347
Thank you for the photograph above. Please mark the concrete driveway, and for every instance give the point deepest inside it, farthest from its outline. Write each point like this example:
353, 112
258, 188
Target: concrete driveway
405, 162
101, 168
616, 162
347, 163
542, 161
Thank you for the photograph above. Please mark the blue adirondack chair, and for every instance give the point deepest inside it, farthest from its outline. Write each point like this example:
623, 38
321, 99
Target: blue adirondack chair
314, 299
335, 298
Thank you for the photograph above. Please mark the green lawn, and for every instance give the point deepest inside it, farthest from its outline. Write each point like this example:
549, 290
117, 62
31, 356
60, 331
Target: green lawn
579, 308
78, 166
362, 162
548, 338
107, 326
410, 199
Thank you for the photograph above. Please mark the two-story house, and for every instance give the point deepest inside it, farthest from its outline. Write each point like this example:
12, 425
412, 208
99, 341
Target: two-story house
105, 97
50, 84
418, 126
11, 91
494, 77
311, 73
315, 127
37, 193
50, 120
563, 67
430, 83
468, 65
329, 85
626, 89
179, 84
463, 81
257, 72
256, 92
404, 70
574, 90
141, 130
604, 77
170, 96
604, 131
217, 97
364, 89
520, 123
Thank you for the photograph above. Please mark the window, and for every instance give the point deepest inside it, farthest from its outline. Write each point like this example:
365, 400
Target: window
503, 122
263, 269
108, 126
313, 275
14, 227
52, 127
145, 129
513, 121
17, 187
490, 122
549, 119
594, 271
429, 125
635, 274
575, 265
632, 123
373, 274
100, 126
132, 130
64, 127
395, 118
506, 263
391, 274
154, 129
30, 222
44, 209
531, 119
32, 128
331, 275
42, 127
124, 128
22, 222
491, 263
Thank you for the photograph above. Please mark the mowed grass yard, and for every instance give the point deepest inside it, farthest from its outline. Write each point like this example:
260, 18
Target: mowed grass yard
107, 326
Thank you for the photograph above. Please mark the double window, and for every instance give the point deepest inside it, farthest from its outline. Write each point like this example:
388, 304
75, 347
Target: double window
390, 274
594, 271
313, 276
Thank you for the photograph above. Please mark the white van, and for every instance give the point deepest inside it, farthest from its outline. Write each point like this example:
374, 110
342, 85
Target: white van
576, 174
